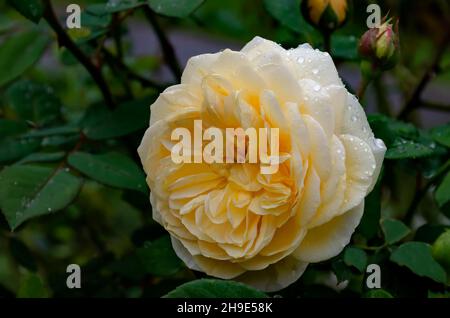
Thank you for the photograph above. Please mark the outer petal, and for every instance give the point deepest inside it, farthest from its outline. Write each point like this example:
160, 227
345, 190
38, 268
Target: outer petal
315, 65
197, 68
275, 277
329, 239
353, 121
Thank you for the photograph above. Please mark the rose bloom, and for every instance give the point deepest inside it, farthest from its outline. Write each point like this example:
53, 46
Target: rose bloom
229, 220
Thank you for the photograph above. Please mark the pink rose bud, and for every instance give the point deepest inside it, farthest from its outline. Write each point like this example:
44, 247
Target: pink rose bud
380, 46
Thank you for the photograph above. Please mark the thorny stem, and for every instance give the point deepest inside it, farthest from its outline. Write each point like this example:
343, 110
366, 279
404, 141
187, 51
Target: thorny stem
166, 47
66, 41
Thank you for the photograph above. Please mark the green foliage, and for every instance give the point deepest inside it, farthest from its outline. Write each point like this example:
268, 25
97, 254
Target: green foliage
112, 169
394, 230
378, 293
30, 191
213, 288
355, 257
174, 8
101, 123
33, 102
30, 9
345, 47
32, 287
417, 257
442, 195
158, 257
442, 134
12, 149
24, 49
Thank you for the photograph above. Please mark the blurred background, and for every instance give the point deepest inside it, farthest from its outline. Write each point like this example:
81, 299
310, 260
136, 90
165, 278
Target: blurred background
51, 106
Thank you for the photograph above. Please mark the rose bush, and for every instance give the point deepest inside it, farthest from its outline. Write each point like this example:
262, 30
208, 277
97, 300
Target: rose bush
231, 221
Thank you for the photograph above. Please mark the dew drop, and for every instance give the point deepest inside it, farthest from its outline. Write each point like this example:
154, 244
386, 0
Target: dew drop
317, 88
315, 71
354, 118
300, 60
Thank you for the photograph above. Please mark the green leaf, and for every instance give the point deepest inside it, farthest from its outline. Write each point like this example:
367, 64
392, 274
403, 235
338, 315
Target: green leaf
442, 134
11, 127
12, 149
403, 140
60, 141
174, 8
42, 157
22, 254
113, 6
214, 288
287, 13
355, 257
405, 149
127, 118
344, 46
30, 9
32, 287
394, 230
62, 130
34, 102
418, 258
18, 53
442, 195
378, 293
113, 169
158, 257
432, 294
390, 129
30, 191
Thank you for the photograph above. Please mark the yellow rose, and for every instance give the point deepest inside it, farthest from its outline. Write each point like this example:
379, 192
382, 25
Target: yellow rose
327, 14
229, 220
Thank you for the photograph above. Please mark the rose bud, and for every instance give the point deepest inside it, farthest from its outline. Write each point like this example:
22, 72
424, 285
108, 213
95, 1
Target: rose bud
327, 15
380, 46
441, 250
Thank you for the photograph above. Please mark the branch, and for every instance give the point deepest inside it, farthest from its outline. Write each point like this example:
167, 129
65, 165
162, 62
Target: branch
421, 193
169, 53
414, 100
66, 41
435, 106
113, 62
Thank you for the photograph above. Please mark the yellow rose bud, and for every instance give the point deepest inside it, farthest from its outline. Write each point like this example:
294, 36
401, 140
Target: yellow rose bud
232, 220
327, 15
